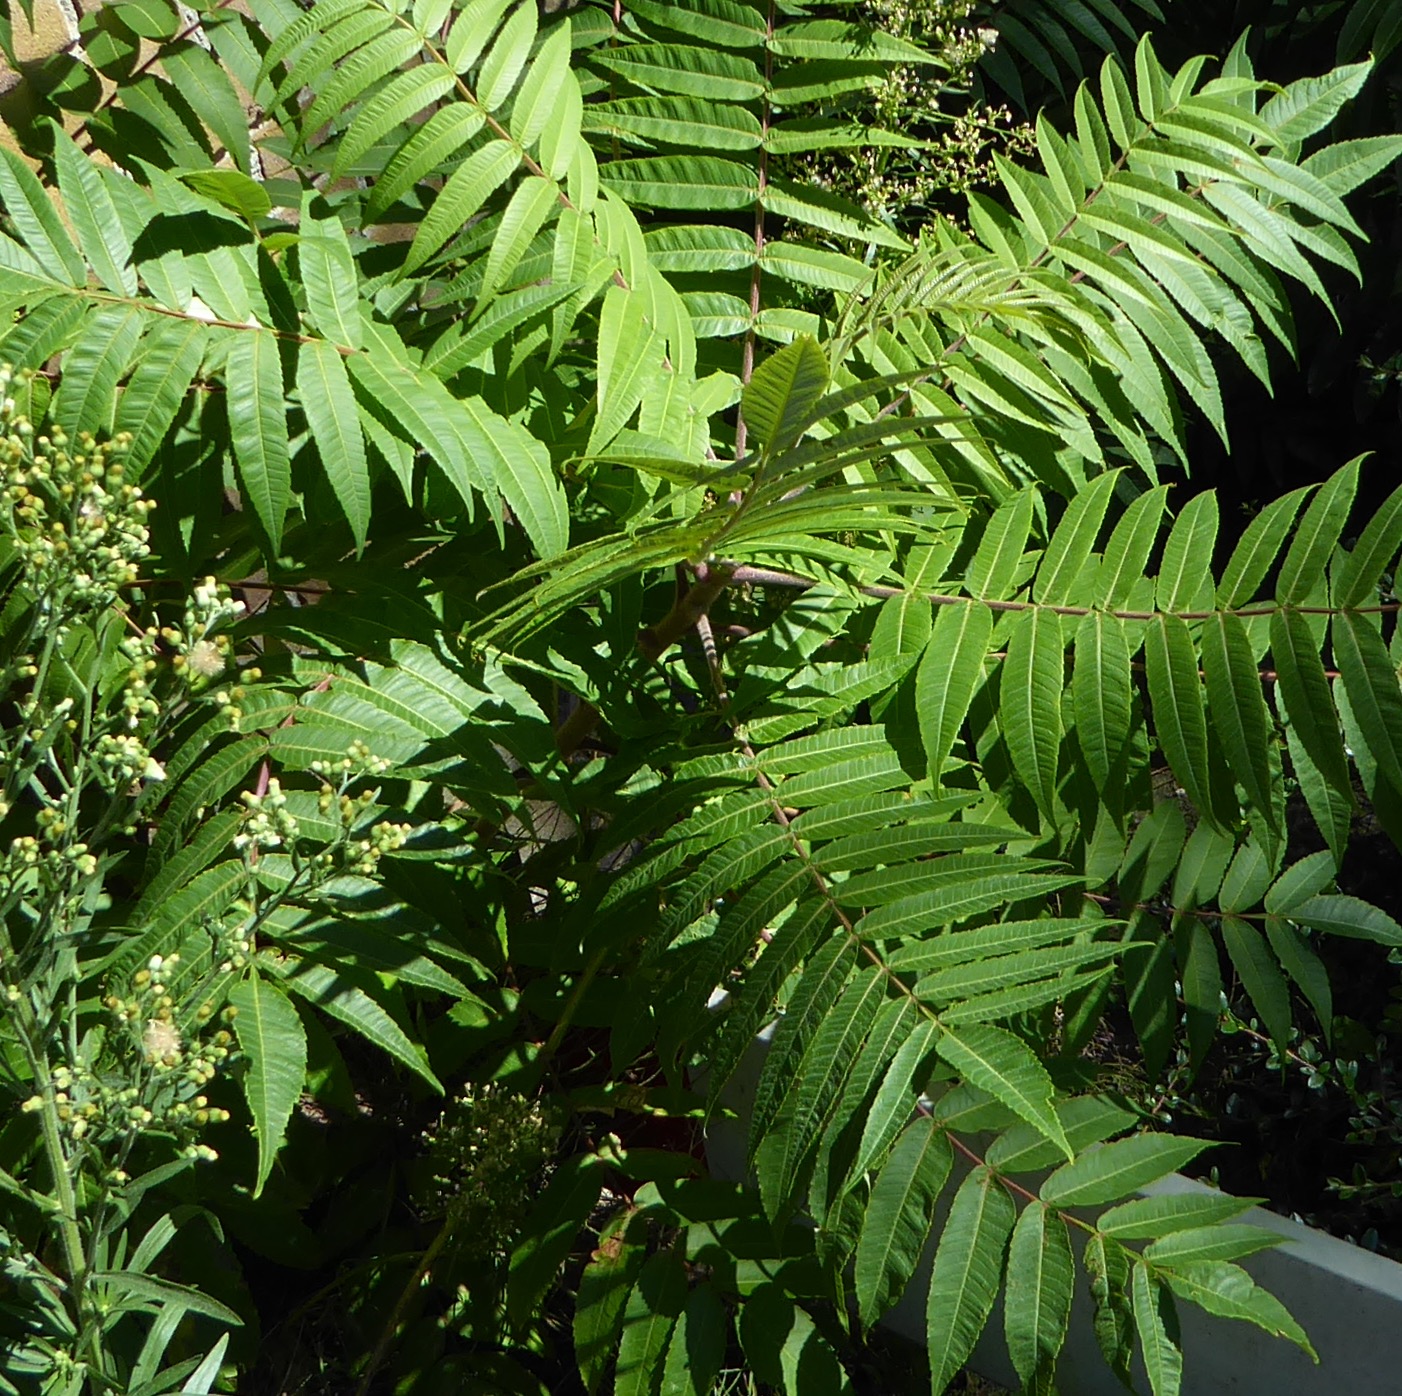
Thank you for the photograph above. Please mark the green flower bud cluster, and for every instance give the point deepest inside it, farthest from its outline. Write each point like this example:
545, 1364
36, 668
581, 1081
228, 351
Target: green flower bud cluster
75, 522
201, 655
267, 822
484, 1151
122, 760
384, 838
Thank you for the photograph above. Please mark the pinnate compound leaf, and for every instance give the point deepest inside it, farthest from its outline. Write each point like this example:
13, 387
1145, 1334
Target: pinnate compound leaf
898, 1216
1041, 1275
1228, 1291
1163, 1360
967, 1271
1111, 1171
1000, 1063
274, 1044
779, 399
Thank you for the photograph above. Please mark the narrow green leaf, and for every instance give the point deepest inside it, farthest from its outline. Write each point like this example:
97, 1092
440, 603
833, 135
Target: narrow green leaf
1126, 556
37, 222
993, 571
168, 358
548, 1236
1041, 1275
1200, 973
1211, 1243
1030, 703
950, 671
329, 404
258, 426
1318, 535
1176, 693
898, 1216
274, 1044
1341, 915
652, 1311
1147, 1218
1107, 1269
467, 189
506, 58
894, 1101
1228, 1291
1185, 574
1357, 579
1239, 712
530, 206
86, 398
996, 1061
1112, 1171
697, 1349
967, 1271
1260, 976
1370, 680
1163, 1360
101, 235
1101, 694
603, 1290
779, 399
1302, 688
1071, 543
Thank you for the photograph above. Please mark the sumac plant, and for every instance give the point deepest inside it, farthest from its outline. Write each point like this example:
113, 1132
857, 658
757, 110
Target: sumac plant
651, 599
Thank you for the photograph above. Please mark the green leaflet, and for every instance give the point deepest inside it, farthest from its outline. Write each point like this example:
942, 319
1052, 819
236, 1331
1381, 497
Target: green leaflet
354, 997
1163, 1214
323, 386
894, 1101
995, 565
653, 1309
967, 1271
1260, 976
1317, 536
1113, 1170
778, 400
1302, 688
103, 240
697, 1348
467, 189
1185, 573
603, 1291
1239, 713
1370, 680
1152, 1306
1030, 703
1037, 1308
950, 671
258, 425
1176, 694
1227, 1290
169, 357
272, 1040
825, 1066
897, 1219
1101, 695
997, 1062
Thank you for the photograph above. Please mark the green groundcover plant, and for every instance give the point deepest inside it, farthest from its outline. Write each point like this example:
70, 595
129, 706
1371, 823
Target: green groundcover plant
518, 574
